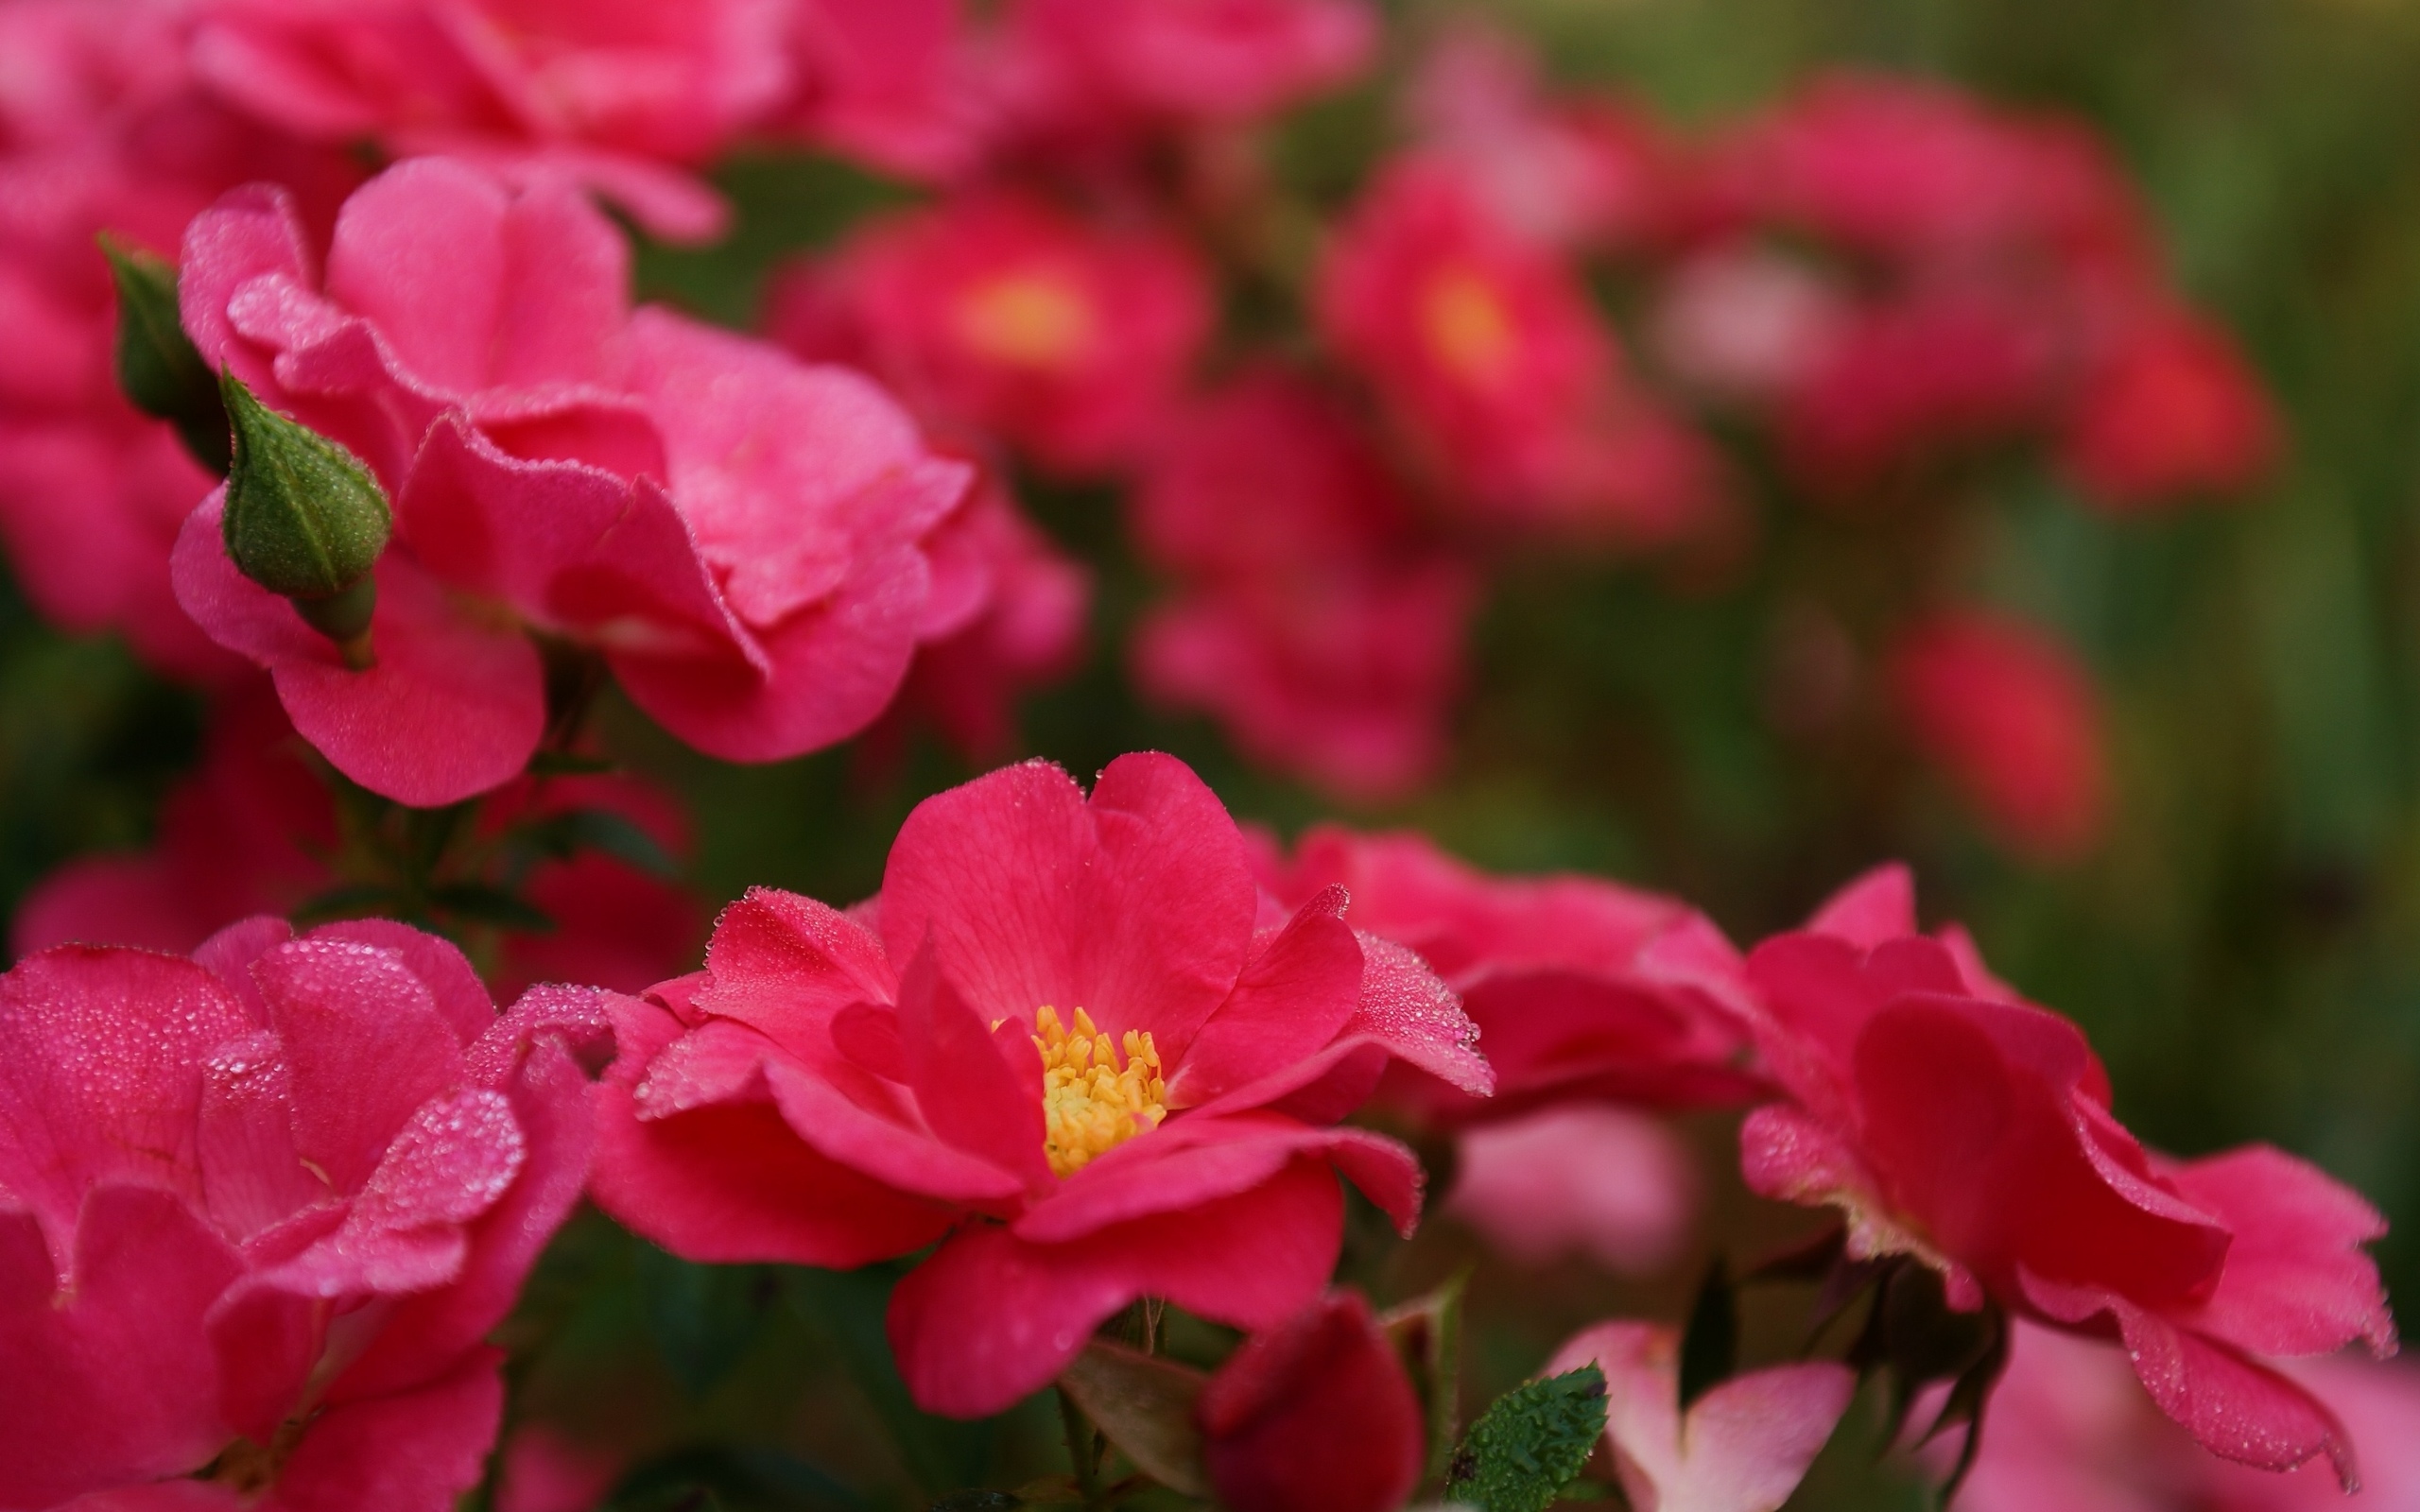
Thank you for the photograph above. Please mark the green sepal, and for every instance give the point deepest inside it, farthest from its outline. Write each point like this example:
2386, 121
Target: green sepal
304, 518
158, 365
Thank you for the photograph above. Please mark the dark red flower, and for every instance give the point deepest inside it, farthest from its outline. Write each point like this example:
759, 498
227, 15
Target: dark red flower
1316, 1415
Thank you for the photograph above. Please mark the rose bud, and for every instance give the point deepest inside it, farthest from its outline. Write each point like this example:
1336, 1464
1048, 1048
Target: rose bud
1316, 1415
305, 520
162, 373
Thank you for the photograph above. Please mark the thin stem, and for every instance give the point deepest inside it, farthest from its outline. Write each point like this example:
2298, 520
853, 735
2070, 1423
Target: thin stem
1081, 1453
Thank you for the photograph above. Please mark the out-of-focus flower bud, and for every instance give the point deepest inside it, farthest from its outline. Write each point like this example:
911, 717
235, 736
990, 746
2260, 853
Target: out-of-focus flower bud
1316, 1415
157, 366
305, 520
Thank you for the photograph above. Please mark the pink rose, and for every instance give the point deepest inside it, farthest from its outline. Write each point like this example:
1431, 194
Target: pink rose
1056, 1045
2168, 412
1609, 1185
1180, 62
739, 536
1956, 1123
1316, 1415
258, 1211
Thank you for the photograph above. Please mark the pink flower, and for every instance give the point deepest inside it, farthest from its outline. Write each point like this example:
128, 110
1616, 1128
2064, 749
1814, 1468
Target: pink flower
1314, 618
1002, 315
2168, 411
544, 1471
1316, 1415
1592, 172
103, 130
1607, 1184
256, 832
1007, 612
1954, 1123
1745, 324
623, 94
1581, 987
891, 83
1182, 62
1056, 1045
1742, 1447
740, 537
2015, 720
2067, 1428
1497, 368
1593, 1181
262, 1207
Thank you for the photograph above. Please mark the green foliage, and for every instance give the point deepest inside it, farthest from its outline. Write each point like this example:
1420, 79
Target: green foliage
1530, 1443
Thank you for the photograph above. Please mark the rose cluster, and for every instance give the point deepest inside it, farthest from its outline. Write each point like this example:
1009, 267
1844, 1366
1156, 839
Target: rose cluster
331, 389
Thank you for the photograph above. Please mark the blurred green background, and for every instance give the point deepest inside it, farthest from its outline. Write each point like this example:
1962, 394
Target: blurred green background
2244, 950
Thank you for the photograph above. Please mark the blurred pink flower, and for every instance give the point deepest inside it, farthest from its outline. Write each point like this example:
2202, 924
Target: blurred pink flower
2015, 720
1076, 65
2068, 1428
256, 832
1004, 315
262, 1208
1606, 1184
2169, 412
1582, 989
740, 537
841, 1087
103, 128
624, 96
1742, 1447
1314, 1415
1313, 617
1498, 370
1955, 1124
892, 83
1745, 324
544, 1471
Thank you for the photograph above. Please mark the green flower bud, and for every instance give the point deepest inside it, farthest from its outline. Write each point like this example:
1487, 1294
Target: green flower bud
162, 373
305, 519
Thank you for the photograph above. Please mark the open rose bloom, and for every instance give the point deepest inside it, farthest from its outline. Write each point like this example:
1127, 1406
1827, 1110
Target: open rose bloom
1953, 1122
1056, 1044
259, 1210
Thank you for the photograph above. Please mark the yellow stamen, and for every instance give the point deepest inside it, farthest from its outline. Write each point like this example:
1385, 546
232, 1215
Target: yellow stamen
1467, 326
1032, 320
1094, 1100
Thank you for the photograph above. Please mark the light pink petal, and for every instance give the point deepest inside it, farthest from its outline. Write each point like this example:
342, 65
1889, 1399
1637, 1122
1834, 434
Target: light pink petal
567, 289
229, 954
453, 706
1293, 996
251, 234
990, 1318
2296, 1281
366, 1046
104, 1374
100, 1053
1611, 1185
733, 1184
2236, 1407
1195, 1160
419, 252
412, 1452
492, 524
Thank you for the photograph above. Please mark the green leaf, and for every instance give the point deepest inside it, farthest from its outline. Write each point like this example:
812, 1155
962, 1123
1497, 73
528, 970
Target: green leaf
1429, 1330
566, 835
1532, 1442
702, 1318
481, 904
1144, 1403
847, 1307
1710, 1344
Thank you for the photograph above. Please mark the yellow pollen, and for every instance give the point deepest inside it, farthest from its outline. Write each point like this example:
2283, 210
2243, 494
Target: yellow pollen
1467, 326
1092, 1099
1033, 319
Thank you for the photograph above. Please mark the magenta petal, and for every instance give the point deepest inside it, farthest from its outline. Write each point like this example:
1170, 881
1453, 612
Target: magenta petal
412, 1451
1879, 906
366, 1045
1196, 1161
251, 1172
250, 233
2295, 1281
419, 252
2233, 1406
989, 1319
1292, 997
868, 1142
733, 1184
786, 965
98, 1079
500, 527
453, 706
980, 1092
461, 998
1252, 1259
105, 1376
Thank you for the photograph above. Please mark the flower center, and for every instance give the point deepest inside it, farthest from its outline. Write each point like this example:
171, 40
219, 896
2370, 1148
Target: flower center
1469, 327
1093, 1099
1028, 320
